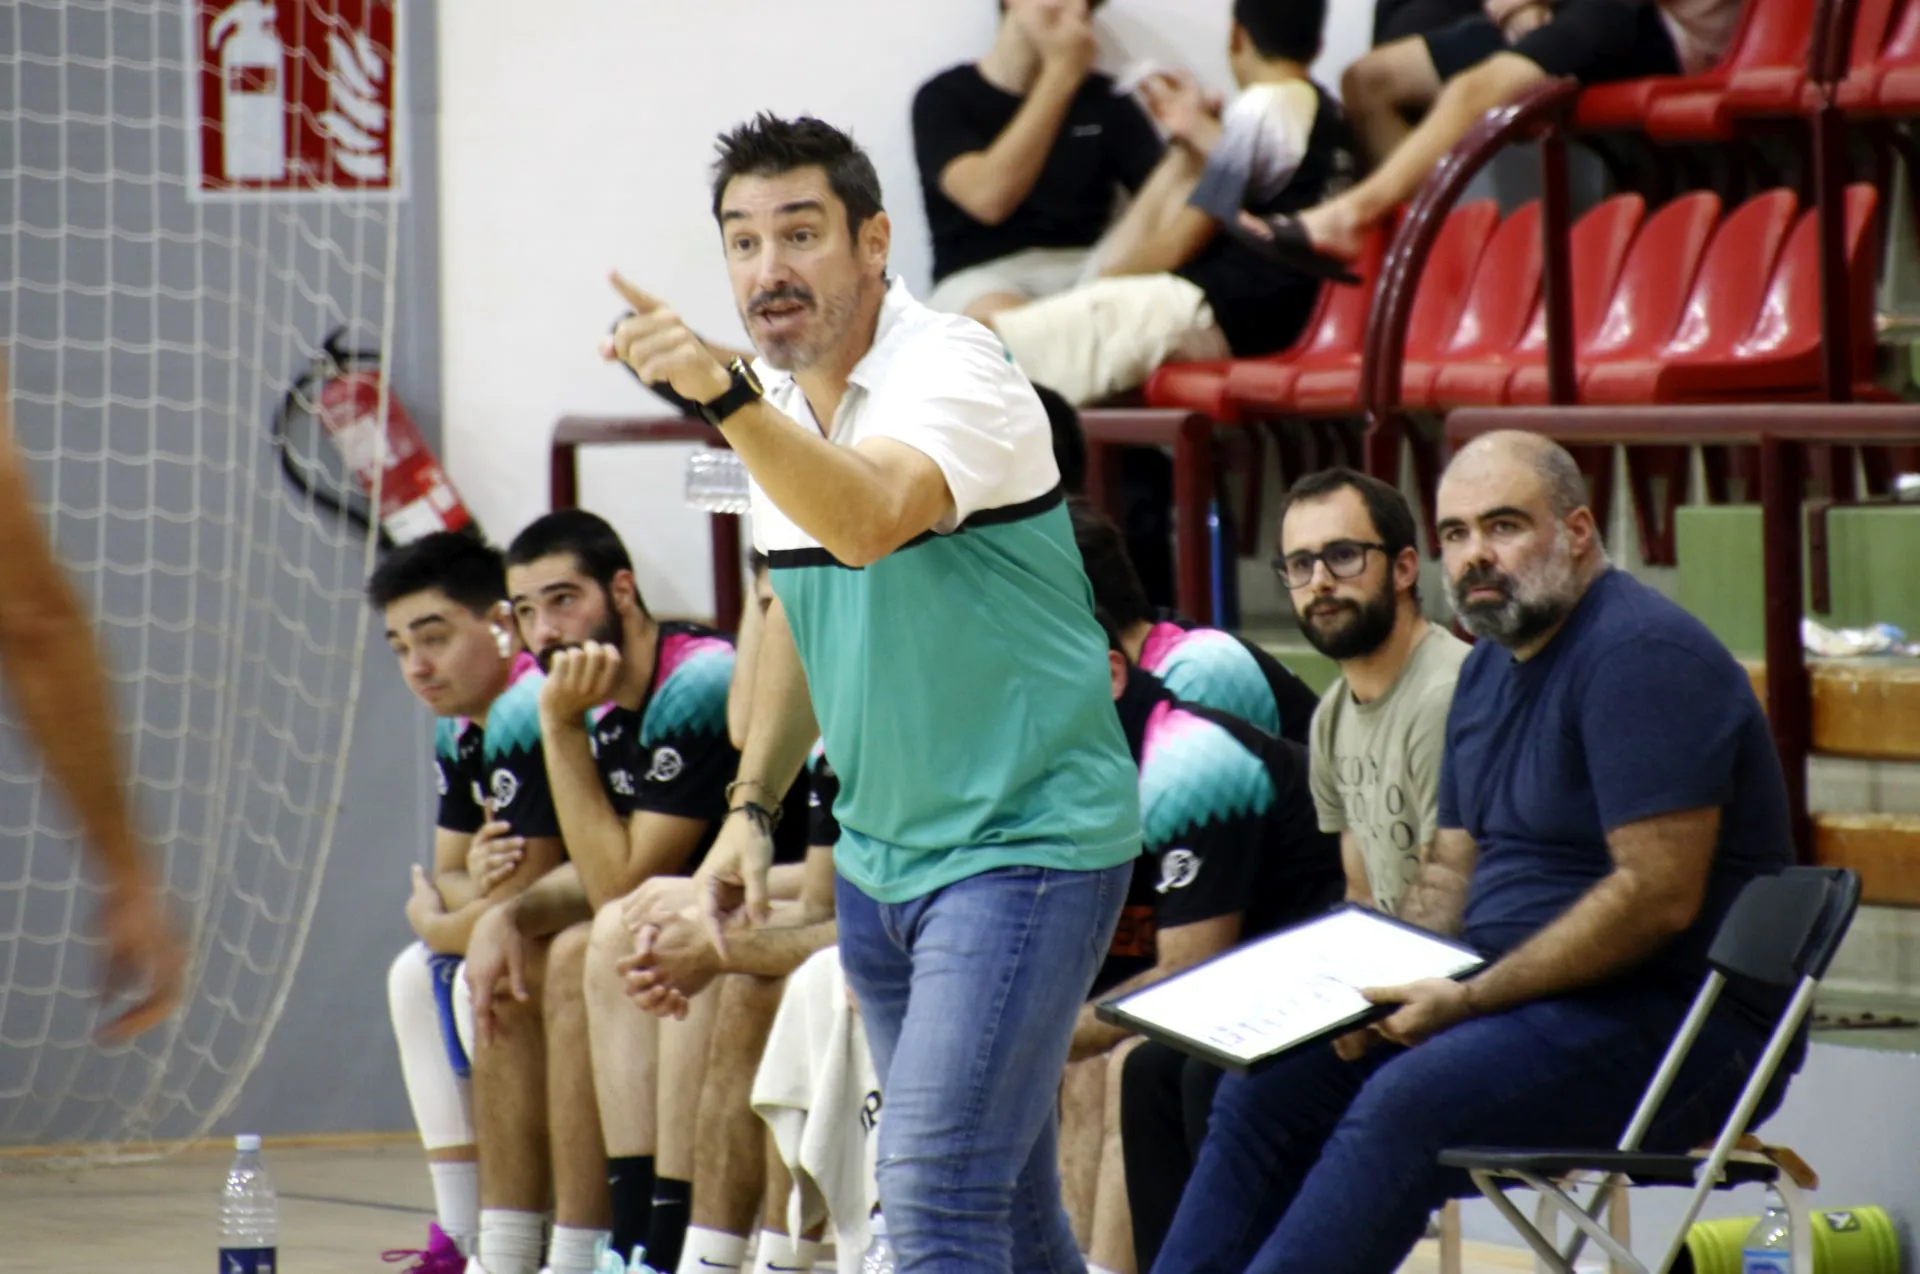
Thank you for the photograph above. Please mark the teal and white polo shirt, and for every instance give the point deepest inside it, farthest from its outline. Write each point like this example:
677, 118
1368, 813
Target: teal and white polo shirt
961, 682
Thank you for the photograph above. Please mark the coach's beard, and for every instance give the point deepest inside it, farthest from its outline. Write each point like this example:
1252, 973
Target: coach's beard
792, 329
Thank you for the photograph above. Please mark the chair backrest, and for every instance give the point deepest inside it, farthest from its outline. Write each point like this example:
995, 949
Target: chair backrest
1901, 46
1448, 271
1733, 276
1598, 245
1656, 277
1779, 35
1873, 25
1505, 287
1342, 325
1784, 928
1788, 320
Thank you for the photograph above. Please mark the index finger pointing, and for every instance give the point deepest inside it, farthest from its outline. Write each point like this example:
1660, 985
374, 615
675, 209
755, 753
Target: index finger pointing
640, 301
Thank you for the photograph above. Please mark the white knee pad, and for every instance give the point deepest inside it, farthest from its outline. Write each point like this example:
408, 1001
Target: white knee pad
442, 1107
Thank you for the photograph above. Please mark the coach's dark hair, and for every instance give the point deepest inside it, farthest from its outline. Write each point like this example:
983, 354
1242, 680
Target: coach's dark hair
1112, 630
766, 146
1069, 440
470, 572
1117, 589
1392, 515
593, 544
1288, 29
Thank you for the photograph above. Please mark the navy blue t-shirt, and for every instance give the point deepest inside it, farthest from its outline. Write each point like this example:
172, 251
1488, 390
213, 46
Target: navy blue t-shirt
1633, 710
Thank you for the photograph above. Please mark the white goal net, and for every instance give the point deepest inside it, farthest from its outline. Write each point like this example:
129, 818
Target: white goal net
152, 335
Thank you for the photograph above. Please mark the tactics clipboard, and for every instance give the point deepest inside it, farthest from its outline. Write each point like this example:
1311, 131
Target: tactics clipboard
1244, 1009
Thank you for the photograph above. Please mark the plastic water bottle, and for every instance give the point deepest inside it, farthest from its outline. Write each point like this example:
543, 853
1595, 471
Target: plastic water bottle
249, 1213
717, 481
878, 1258
1769, 1245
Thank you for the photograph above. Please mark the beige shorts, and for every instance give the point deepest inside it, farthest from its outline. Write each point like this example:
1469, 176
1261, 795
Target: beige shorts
1035, 273
1108, 336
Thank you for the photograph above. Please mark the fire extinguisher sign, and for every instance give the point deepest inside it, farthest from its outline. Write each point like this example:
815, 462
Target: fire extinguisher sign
293, 98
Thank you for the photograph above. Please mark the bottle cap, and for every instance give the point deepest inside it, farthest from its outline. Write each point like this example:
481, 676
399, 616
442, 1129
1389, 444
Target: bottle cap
247, 1141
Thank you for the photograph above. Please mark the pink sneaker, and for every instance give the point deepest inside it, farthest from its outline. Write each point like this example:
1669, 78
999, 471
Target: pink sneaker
442, 1255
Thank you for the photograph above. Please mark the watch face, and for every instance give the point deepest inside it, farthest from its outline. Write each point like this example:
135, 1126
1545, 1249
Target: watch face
744, 370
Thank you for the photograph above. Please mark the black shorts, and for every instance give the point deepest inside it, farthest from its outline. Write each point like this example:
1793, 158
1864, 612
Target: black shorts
1594, 41
1398, 19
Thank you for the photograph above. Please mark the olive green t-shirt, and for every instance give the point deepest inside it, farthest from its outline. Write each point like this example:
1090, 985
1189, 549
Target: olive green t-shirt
1376, 766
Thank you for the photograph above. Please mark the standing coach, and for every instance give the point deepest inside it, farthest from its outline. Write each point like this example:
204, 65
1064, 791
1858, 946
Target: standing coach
932, 613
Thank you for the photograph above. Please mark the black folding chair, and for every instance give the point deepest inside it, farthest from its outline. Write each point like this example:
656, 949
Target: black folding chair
1781, 932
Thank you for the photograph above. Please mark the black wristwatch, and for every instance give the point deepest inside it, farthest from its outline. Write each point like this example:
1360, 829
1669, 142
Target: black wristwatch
744, 391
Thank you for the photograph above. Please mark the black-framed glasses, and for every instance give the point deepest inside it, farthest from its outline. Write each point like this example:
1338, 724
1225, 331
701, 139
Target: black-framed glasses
1344, 558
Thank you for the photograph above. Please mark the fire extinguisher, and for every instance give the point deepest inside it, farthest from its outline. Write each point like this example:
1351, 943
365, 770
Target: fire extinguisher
342, 390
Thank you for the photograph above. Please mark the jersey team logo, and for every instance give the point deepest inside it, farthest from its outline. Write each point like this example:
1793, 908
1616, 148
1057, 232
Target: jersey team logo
621, 782
440, 777
667, 765
506, 786
1178, 867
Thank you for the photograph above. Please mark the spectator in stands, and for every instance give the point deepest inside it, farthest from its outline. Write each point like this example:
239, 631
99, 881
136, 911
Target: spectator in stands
1173, 288
1350, 558
1201, 666
1608, 786
1022, 155
633, 722
1458, 73
443, 600
1232, 852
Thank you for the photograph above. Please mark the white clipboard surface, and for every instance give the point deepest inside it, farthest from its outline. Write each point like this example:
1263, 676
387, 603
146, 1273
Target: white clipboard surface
1243, 1009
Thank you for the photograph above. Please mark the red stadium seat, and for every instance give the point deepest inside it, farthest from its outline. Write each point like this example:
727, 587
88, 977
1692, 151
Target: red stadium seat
1646, 303
1623, 106
1335, 390
1764, 73
1896, 72
1494, 314
1262, 385
1597, 247
1875, 24
1339, 320
1742, 336
1199, 386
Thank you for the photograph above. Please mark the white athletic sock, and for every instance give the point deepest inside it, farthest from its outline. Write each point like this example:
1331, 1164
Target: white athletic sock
510, 1242
456, 1200
708, 1250
575, 1251
780, 1254
1097, 1269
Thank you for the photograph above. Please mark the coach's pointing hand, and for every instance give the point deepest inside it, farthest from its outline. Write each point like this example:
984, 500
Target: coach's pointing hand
662, 349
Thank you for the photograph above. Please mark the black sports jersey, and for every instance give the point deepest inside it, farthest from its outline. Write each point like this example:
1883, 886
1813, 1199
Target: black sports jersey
823, 786
1229, 827
1215, 669
502, 762
673, 754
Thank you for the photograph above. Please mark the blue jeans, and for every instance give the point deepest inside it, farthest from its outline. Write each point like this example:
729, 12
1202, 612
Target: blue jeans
1319, 1166
969, 997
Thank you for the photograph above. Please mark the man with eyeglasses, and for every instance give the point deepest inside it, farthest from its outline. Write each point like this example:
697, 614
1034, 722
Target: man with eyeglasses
1350, 559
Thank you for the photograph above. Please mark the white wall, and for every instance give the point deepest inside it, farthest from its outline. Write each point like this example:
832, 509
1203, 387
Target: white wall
575, 138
